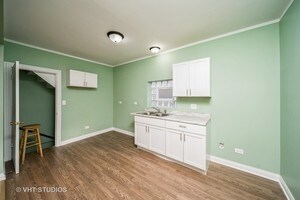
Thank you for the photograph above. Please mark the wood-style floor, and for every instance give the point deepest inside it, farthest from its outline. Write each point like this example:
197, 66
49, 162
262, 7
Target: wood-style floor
109, 166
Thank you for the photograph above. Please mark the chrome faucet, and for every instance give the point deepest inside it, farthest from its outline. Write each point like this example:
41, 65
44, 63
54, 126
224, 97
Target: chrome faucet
156, 108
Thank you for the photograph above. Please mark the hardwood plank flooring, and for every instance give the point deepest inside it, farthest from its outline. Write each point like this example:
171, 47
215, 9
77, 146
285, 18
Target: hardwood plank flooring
2, 190
109, 166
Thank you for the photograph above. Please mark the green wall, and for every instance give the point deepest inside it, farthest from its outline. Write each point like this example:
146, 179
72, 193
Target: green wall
93, 107
37, 105
245, 102
290, 98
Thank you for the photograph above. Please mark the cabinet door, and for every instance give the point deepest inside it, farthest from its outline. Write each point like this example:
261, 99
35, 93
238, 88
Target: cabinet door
141, 135
194, 150
200, 78
174, 144
76, 78
91, 80
181, 79
157, 139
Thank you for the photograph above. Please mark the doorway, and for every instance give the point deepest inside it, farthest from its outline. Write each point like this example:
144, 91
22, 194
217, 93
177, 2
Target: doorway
8, 111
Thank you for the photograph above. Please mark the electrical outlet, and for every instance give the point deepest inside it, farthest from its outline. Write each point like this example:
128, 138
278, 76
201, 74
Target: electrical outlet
135, 103
86, 127
120, 102
64, 102
239, 151
221, 145
193, 106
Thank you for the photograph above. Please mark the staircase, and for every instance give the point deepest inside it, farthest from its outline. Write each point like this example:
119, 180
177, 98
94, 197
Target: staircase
49, 79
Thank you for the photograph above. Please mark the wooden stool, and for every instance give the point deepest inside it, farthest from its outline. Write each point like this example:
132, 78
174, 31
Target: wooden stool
31, 130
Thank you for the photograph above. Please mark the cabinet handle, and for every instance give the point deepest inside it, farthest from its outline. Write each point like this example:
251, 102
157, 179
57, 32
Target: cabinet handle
181, 126
184, 137
146, 129
190, 92
180, 136
187, 92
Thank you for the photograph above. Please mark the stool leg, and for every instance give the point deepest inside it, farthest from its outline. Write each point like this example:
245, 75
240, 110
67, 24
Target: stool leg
37, 141
40, 143
24, 146
21, 144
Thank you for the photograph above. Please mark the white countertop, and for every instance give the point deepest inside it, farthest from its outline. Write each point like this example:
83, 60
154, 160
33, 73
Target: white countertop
186, 117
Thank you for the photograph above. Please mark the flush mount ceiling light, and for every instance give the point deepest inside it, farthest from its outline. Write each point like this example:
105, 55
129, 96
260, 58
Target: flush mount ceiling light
115, 36
154, 49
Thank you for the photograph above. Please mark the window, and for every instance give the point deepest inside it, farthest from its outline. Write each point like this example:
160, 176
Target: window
162, 94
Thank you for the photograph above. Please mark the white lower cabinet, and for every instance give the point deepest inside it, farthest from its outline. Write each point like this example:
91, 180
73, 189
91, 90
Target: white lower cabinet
194, 150
186, 147
157, 139
174, 145
141, 135
179, 141
150, 136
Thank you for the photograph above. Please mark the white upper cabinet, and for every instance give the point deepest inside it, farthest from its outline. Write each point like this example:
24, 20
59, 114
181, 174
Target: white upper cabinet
91, 80
181, 76
192, 79
82, 79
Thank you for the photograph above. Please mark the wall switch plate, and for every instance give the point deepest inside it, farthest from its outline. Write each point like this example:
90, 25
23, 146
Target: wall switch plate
64, 102
193, 106
86, 127
239, 151
135, 103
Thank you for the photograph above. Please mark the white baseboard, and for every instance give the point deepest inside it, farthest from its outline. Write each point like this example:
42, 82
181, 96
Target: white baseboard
2, 177
123, 131
285, 189
252, 170
258, 172
82, 137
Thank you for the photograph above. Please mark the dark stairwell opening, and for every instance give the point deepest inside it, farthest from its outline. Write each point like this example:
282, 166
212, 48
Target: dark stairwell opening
37, 106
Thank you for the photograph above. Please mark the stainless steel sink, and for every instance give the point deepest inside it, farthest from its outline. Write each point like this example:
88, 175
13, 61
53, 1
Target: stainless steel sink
146, 113
160, 114
157, 114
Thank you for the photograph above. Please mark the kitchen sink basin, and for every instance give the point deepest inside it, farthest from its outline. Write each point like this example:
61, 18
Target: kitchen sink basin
157, 114
160, 114
146, 113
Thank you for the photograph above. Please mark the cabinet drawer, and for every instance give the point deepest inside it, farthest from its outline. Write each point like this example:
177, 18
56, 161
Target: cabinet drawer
191, 128
150, 121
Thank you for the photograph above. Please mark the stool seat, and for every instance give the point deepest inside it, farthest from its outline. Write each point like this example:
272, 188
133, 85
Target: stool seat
30, 130
30, 126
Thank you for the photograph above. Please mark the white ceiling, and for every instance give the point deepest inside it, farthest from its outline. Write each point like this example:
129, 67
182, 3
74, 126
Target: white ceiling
79, 27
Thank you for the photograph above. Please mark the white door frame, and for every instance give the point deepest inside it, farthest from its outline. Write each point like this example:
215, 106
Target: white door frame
58, 97
57, 74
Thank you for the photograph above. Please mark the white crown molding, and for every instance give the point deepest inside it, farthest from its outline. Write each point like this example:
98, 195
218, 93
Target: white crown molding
246, 168
82, 137
286, 9
165, 52
2, 177
285, 189
123, 131
205, 40
55, 52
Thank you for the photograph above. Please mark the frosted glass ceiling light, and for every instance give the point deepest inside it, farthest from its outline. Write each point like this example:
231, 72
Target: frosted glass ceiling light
154, 49
115, 36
